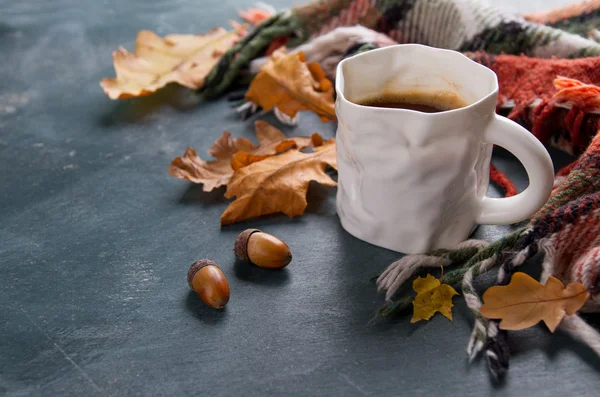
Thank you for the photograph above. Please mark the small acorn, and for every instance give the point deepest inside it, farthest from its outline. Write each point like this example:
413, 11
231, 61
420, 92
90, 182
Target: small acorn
262, 249
209, 282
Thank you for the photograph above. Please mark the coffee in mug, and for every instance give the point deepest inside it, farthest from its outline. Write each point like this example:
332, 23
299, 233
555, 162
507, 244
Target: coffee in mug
421, 101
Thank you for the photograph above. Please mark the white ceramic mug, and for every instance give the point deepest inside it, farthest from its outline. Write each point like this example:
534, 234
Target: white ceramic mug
412, 181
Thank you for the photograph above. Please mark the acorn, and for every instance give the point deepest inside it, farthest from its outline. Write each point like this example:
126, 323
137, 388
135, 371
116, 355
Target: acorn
209, 282
262, 249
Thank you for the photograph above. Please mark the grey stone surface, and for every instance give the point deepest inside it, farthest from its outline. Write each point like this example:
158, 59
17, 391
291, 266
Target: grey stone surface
96, 239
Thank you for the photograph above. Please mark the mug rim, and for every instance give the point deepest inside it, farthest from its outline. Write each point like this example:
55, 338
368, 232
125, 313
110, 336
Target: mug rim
340, 94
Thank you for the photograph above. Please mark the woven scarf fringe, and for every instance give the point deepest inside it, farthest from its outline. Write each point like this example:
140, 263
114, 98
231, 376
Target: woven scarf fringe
398, 272
497, 350
580, 330
573, 325
478, 336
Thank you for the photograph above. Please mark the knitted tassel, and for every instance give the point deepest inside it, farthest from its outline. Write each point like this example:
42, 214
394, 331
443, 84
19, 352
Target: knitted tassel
497, 351
467, 257
478, 336
579, 329
574, 325
502, 181
398, 272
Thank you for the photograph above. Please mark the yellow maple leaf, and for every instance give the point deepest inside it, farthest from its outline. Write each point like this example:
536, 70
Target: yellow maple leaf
287, 82
235, 153
278, 184
432, 296
524, 302
156, 61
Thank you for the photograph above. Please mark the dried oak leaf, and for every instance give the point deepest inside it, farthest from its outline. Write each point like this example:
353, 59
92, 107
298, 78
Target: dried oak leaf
432, 296
225, 146
156, 61
278, 184
524, 302
216, 173
255, 15
287, 82
271, 145
211, 174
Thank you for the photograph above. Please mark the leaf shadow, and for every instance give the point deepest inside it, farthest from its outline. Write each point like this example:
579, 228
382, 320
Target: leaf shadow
264, 220
140, 109
523, 342
195, 195
317, 198
201, 311
257, 275
7, 30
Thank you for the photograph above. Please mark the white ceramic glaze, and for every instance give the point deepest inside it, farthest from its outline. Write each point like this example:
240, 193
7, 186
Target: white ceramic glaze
412, 181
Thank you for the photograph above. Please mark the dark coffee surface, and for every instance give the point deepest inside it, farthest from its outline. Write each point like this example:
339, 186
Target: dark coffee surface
422, 101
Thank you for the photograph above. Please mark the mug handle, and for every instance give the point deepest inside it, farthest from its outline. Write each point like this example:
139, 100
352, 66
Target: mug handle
536, 160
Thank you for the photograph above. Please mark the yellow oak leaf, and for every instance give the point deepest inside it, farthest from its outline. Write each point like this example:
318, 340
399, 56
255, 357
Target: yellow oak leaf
156, 61
432, 296
234, 153
287, 82
278, 183
524, 302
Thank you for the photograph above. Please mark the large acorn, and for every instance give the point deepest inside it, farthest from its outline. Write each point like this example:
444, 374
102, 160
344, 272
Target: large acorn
209, 282
262, 249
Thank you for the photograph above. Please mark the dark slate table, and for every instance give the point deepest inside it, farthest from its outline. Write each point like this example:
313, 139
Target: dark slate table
96, 239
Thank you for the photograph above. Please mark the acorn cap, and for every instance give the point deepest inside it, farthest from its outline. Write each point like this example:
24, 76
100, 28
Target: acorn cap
241, 244
194, 267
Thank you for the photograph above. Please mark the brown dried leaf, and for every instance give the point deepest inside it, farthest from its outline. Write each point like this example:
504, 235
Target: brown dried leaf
278, 184
156, 61
524, 302
235, 153
212, 174
225, 146
243, 159
290, 84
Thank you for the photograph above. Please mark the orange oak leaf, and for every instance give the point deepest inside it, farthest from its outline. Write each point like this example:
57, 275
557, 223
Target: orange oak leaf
242, 159
278, 184
234, 153
156, 61
255, 15
211, 174
225, 146
287, 82
272, 140
524, 302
